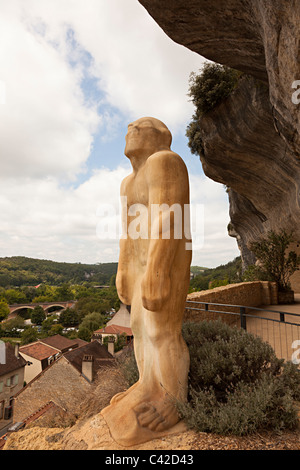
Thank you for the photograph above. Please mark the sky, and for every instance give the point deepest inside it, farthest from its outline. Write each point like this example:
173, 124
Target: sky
73, 75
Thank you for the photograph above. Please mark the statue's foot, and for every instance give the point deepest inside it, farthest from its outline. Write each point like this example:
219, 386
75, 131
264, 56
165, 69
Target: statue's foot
121, 395
156, 416
136, 419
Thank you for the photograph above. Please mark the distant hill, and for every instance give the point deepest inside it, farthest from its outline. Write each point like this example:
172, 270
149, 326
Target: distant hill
197, 270
221, 275
17, 271
21, 271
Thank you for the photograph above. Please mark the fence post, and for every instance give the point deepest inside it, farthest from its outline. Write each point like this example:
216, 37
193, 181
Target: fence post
243, 318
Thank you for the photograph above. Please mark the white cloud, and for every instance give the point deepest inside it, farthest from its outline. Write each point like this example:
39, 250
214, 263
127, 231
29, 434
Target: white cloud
217, 247
140, 70
47, 124
45, 127
41, 219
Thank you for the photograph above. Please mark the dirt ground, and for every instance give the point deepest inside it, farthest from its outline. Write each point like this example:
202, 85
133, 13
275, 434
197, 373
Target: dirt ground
94, 435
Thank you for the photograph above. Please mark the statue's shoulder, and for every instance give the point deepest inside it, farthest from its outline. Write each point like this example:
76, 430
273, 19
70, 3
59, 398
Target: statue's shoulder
127, 181
165, 157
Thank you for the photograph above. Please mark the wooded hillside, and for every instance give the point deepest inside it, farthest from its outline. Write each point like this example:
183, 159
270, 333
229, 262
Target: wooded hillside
21, 271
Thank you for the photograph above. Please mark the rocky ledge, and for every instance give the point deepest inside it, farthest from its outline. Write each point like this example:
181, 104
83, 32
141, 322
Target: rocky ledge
94, 435
251, 141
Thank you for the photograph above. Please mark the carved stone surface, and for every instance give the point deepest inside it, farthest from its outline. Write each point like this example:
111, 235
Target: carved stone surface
258, 37
251, 141
153, 277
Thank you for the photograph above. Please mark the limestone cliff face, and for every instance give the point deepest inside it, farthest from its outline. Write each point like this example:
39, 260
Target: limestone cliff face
259, 37
243, 149
251, 141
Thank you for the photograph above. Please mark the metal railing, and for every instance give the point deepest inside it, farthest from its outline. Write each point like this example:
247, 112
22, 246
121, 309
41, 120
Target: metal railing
280, 329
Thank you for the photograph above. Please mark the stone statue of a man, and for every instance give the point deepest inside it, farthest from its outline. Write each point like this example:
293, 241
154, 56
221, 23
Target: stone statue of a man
153, 277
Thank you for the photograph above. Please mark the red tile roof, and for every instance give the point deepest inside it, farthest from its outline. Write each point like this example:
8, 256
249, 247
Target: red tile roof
38, 350
46, 347
60, 342
115, 330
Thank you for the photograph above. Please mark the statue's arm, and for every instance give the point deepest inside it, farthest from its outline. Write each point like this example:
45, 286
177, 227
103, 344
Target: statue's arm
122, 284
168, 186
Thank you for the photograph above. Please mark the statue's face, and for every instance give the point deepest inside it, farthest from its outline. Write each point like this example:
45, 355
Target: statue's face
143, 138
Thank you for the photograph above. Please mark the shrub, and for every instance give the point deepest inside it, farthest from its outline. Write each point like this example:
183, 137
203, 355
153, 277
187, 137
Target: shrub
212, 85
276, 264
237, 385
207, 90
264, 404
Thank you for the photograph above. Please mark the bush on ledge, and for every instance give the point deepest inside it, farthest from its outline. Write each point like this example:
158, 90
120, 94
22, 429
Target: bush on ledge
236, 383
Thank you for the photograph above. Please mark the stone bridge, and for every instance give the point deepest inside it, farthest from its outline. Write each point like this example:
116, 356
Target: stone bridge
45, 305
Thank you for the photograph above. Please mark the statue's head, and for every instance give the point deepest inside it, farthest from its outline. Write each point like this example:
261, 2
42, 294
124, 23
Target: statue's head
146, 136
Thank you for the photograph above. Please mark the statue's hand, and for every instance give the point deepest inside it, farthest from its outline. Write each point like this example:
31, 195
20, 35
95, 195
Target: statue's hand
156, 289
123, 288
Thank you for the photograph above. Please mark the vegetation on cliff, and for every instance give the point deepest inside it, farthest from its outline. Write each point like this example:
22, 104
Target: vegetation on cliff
206, 90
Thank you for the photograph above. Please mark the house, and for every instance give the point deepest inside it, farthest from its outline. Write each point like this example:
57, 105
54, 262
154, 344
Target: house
62, 343
40, 354
118, 325
112, 331
12, 366
122, 317
89, 359
66, 381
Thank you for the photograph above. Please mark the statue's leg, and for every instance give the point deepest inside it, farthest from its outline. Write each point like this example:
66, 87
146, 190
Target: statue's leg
166, 367
147, 410
135, 323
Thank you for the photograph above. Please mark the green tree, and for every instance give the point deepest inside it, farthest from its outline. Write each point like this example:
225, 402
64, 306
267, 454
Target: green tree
93, 321
64, 293
218, 283
84, 333
44, 293
10, 327
38, 315
56, 329
29, 335
112, 281
15, 296
276, 263
69, 317
4, 310
90, 304
47, 325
